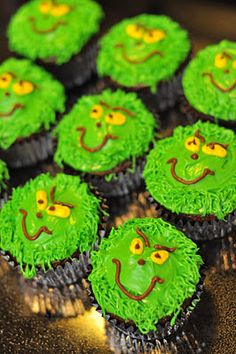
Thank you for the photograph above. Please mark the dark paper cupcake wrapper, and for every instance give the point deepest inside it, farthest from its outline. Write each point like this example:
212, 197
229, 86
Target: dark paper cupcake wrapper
197, 230
192, 115
29, 151
133, 336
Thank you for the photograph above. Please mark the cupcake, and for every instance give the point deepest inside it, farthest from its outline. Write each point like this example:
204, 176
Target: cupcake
48, 227
145, 278
29, 102
105, 138
4, 176
60, 34
191, 176
209, 85
146, 54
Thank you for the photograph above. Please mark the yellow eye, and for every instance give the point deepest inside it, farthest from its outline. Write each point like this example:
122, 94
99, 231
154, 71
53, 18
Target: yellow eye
115, 118
41, 199
215, 150
136, 246
45, 7
234, 64
135, 31
23, 87
154, 36
59, 10
160, 257
96, 112
192, 144
220, 60
61, 211
5, 80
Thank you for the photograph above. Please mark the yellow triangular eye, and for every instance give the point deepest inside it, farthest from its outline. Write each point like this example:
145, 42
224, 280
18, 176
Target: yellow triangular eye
5, 80
97, 112
136, 246
61, 211
192, 144
220, 60
234, 64
160, 257
135, 31
45, 7
153, 36
22, 88
41, 199
59, 10
214, 149
115, 118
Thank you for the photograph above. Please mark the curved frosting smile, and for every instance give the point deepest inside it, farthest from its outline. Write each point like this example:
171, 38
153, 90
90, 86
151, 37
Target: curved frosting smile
48, 30
217, 85
137, 61
38, 233
206, 172
12, 111
106, 138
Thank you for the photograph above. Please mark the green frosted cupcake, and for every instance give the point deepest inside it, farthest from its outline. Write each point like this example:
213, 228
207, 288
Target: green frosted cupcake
191, 175
105, 137
59, 32
48, 226
30, 100
209, 84
146, 54
145, 278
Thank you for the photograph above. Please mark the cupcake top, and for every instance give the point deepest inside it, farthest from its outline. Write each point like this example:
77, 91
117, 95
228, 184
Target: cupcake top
29, 100
193, 172
144, 272
48, 220
53, 30
4, 175
104, 130
142, 51
209, 81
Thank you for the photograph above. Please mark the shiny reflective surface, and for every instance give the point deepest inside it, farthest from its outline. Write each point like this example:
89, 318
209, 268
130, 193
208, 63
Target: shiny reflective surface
26, 321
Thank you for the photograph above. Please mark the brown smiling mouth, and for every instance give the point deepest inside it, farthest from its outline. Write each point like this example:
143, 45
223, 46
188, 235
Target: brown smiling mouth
24, 228
126, 292
137, 61
218, 86
48, 30
12, 111
97, 148
205, 172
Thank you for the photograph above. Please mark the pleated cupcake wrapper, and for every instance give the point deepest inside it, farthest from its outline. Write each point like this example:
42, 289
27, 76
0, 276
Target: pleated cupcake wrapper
120, 330
78, 70
196, 230
193, 116
29, 151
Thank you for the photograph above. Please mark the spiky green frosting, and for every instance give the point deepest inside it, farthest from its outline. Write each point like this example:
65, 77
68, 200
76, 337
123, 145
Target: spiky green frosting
29, 100
142, 51
179, 272
209, 81
215, 191
4, 175
115, 125
65, 229
53, 30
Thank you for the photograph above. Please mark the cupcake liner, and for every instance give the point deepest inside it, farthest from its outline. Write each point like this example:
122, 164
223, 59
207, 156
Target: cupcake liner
29, 151
78, 70
197, 230
193, 115
128, 334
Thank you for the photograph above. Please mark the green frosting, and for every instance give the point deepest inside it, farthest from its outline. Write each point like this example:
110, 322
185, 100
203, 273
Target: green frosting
26, 113
53, 30
180, 273
119, 115
215, 194
4, 175
209, 81
76, 231
128, 57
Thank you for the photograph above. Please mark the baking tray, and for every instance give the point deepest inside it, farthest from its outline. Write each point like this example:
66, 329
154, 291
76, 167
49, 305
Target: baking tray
25, 324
